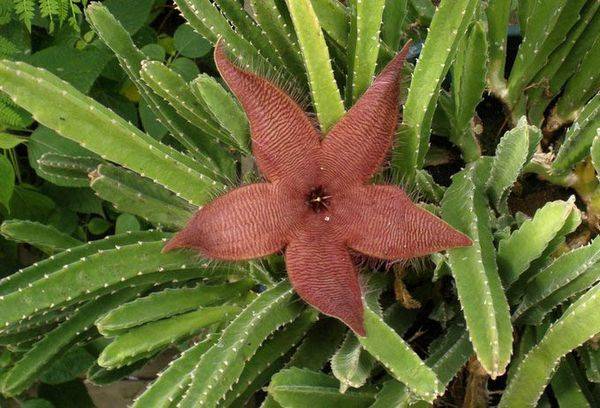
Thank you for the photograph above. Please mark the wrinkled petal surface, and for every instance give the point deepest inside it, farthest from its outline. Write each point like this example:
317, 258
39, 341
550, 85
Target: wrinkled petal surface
317, 205
248, 222
322, 273
356, 146
285, 143
382, 222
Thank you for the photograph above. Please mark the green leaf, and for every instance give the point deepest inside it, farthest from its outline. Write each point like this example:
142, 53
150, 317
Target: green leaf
175, 90
37, 403
580, 88
569, 61
567, 386
280, 34
141, 196
65, 170
269, 358
80, 68
189, 43
25, 9
552, 250
166, 303
173, 381
383, 343
529, 336
44, 237
49, 318
154, 51
351, 364
579, 322
125, 223
221, 366
7, 181
525, 8
590, 355
69, 366
186, 68
547, 25
150, 122
579, 137
363, 46
132, 14
568, 275
512, 153
150, 338
28, 204
562, 62
64, 220
45, 141
7, 47
325, 94
225, 110
333, 18
498, 14
423, 11
475, 272
37, 271
447, 28
27, 334
299, 388
130, 57
101, 376
81, 200
319, 345
447, 355
526, 244
427, 186
209, 21
393, 22
516, 290
89, 274
9, 141
85, 121
468, 83
13, 116
247, 28
32, 364
5, 358
98, 226
596, 151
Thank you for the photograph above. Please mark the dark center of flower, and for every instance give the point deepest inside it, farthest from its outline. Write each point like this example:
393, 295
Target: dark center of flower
318, 199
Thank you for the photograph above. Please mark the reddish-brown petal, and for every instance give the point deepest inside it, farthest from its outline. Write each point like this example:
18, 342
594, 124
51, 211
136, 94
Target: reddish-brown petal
322, 273
248, 222
284, 142
357, 145
382, 222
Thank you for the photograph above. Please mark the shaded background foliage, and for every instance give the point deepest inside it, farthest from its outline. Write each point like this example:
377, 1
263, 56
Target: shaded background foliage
510, 93
74, 53
63, 216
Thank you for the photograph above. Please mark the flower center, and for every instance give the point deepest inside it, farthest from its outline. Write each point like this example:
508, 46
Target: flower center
318, 199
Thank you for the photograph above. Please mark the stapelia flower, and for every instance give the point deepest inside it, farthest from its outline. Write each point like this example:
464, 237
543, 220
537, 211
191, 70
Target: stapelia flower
317, 202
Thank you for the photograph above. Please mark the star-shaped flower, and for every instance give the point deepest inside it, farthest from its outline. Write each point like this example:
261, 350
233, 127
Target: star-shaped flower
317, 203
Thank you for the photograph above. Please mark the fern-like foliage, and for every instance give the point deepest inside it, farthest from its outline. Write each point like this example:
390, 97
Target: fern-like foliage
56, 12
11, 115
7, 48
25, 10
